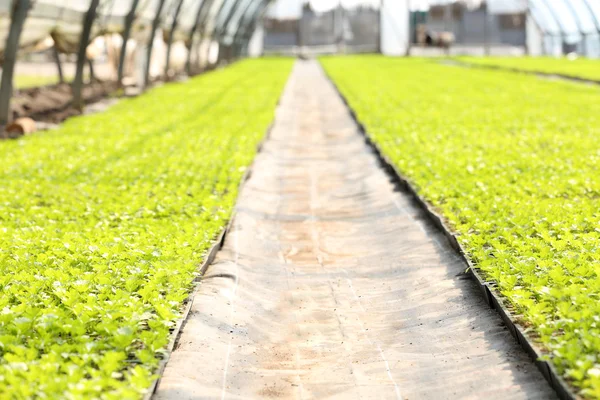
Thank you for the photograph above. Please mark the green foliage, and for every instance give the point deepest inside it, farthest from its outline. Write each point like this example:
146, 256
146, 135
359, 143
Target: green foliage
584, 68
512, 162
104, 222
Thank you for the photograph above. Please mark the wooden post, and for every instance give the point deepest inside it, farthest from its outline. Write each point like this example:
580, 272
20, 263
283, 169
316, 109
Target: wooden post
155, 24
84, 40
19, 12
129, 19
171, 34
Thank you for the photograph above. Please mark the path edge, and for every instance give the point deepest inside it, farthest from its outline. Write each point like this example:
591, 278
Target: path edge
488, 290
203, 267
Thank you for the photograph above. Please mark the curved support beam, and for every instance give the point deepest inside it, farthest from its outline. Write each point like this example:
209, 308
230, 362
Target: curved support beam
20, 9
246, 20
246, 35
129, 19
171, 34
223, 17
595, 15
88, 21
235, 22
577, 19
200, 19
155, 24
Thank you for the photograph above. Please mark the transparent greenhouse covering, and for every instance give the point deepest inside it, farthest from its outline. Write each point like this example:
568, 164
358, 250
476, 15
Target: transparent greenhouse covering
219, 20
569, 18
559, 22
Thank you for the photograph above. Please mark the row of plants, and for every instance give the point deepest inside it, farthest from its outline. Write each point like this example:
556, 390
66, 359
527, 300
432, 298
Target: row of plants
583, 68
105, 221
511, 161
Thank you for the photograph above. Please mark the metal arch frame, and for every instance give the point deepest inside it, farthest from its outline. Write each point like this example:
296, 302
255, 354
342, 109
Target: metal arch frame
234, 24
558, 24
245, 23
88, 21
235, 19
201, 15
218, 16
545, 33
529, 15
190, 9
129, 20
245, 35
171, 34
19, 11
155, 23
577, 18
105, 11
248, 17
556, 18
221, 27
212, 12
595, 17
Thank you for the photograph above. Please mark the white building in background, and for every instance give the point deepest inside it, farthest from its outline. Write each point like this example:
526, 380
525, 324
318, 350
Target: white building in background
394, 20
395, 35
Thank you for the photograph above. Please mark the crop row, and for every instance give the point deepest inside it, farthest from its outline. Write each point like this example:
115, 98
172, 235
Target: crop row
511, 161
105, 221
583, 68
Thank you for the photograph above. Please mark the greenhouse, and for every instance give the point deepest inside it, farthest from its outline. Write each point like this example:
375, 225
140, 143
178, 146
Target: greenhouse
303, 199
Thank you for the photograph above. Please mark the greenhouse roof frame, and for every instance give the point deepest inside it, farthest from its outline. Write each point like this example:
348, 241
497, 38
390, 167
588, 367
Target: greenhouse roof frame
69, 26
219, 19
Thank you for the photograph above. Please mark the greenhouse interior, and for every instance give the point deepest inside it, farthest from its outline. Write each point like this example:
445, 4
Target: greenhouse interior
300, 199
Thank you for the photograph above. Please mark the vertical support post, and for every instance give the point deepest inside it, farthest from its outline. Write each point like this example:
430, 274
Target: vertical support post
251, 26
155, 24
88, 21
247, 16
410, 33
198, 22
486, 34
171, 34
527, 16
222, 30
129, 19
239, 19
59, 70
20, 9
92, 71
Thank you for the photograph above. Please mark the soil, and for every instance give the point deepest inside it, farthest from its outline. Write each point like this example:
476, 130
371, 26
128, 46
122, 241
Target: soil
53, 104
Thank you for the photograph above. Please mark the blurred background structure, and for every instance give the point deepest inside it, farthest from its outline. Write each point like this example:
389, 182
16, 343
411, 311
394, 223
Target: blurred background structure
474, 27
51, 42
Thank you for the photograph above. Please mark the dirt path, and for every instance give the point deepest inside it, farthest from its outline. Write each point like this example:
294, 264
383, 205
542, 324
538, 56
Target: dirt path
331, 285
